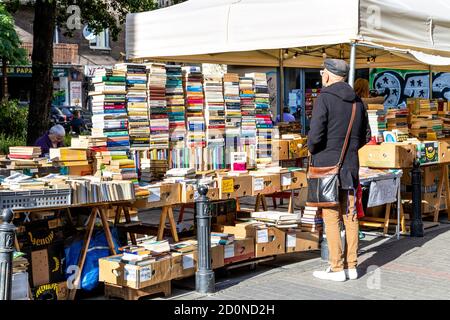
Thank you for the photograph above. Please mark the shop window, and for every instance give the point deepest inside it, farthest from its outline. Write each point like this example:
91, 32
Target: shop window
101, 41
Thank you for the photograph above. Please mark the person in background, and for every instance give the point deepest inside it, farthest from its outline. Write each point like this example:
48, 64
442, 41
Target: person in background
362, 91
329, 124
287, 116
54, 138
77, 124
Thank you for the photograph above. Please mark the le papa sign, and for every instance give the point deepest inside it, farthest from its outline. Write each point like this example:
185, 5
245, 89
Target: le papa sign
26, 71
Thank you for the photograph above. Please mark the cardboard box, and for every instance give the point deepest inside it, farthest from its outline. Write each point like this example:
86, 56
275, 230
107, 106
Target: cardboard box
235, 187
239, 250
111, 270
427, 152
217, 256
265, 184
161, 195
387, 155
298, 148
280, 149
297, 241
268, 240
444, 152
183, 265
188, 194
51, 291
293, 180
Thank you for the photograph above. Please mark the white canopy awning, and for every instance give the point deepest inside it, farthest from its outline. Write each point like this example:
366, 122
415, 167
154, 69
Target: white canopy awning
252, 32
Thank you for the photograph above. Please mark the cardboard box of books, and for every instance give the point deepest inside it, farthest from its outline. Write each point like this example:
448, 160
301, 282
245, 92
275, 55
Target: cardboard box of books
268, 240
140, 275
387, 155
444, 152
183, 264
161, 194
298, 240
280, 149
51, 291
232, 187
293, 180
239, 250
189, 193
265, 184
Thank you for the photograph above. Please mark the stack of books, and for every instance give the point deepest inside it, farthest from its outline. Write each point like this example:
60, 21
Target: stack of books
175, 105
88, 142
311, 220
193, 88
180, 175
233, 116
377, 122
397, 119
264, 124
123, 169
69, 156
221, 238
110, 118
92, 190
426, 127
215, 122
24, 153
445, 118
248, 125
278, 219
154, 165
136, 82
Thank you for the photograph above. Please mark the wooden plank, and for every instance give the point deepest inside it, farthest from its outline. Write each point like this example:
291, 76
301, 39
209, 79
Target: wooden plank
117, 216
386, 217
291, 203
263, 202
126, 212
162, 222
258, 197
126, 293
402, 219
108, 234
447, 190
371, 224
173, 225
441, 187
87, 240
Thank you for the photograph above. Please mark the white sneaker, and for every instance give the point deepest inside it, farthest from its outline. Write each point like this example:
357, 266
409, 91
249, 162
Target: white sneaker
351, 274
329, 275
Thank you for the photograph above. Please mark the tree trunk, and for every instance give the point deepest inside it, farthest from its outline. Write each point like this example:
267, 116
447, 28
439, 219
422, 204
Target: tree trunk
42, 68
4, 79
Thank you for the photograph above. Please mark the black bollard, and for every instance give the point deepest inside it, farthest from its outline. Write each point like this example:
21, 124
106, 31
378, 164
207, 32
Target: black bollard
7, 230
204, 277
416, 219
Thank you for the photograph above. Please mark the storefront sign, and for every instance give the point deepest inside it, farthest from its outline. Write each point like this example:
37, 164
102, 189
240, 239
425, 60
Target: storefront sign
26, 71
75, 93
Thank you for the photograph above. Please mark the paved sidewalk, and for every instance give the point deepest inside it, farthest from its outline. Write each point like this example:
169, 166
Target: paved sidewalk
409, 268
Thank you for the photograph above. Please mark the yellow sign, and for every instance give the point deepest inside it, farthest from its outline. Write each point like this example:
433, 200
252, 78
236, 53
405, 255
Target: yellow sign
227, 185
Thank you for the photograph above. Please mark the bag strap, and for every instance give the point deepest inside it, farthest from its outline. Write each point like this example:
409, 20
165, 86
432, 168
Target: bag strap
347, 137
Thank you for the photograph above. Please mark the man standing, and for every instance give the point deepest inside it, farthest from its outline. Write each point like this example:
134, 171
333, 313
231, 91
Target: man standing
329, 123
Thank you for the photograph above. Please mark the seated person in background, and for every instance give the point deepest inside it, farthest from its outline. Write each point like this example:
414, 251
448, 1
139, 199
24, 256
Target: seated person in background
54, 138
77, 124
287, 116
362, 91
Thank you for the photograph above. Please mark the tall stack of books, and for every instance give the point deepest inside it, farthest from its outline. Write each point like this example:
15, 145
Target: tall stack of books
397, 119
233, 116
215, 122
424, 122
248, 112
136, 78
156, 162
264, 124
110, 118
175, 105
377, 120
311, 220
196, 136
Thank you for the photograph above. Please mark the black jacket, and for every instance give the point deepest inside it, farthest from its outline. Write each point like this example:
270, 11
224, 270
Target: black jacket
330, 118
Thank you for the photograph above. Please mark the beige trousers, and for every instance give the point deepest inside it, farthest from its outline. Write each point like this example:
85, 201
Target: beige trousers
339, 258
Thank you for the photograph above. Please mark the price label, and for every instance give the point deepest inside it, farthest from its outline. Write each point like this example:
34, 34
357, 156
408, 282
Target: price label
227, 185
229, 251
262, 236
286, 179
291, 240
258, 184
188, 261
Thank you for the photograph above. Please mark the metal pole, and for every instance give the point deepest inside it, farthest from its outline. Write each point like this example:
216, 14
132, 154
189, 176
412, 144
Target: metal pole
7, 230
351, 74
399, 203
280, 112
430, 82
204, 277
416, 221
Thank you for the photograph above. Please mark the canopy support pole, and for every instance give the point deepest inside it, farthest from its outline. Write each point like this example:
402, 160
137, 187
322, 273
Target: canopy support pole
280, 111
351, 75
430, 82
